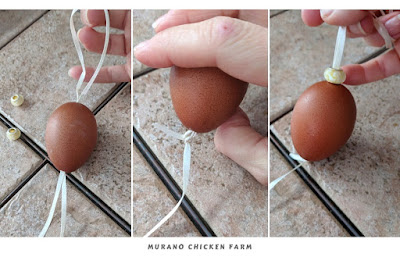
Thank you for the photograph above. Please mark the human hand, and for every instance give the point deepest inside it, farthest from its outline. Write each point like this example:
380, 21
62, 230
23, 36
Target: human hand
360, 24
119, 44
239, 47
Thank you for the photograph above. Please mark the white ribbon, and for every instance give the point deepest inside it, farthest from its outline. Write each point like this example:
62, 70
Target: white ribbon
61, 186
186, 169
294, 156
380, 27
80, 55
339, 48
62, 182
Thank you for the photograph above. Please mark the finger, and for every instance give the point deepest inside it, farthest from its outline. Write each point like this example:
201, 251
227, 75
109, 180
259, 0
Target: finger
311, 18
93, 18
378, 68
375, 39
237, 140
93, 41
392, 24
238, 48
343, 17
361, 29
179, 17
109, 74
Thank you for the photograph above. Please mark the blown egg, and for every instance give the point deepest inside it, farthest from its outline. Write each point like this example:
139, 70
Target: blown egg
204, 98
323, 120
71, 135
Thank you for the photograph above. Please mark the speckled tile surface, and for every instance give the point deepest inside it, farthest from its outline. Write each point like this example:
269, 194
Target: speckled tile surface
12, 22
35, 65
26, 214
294, 210
142, 30
108, 171
228, 197
299, 55
152, 201
363, 177
38, 71
16, 161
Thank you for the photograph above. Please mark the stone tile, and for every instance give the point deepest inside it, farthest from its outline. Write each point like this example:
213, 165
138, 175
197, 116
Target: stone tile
152, 201
362, 177
227, 196
35, 65
108, 171
26, 213
16, 161
275, 12
300, 54
294, 209
142, 30
12, 22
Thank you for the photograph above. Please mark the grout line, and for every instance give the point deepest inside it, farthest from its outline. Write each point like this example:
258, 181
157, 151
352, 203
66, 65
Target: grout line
143, 72
373, 55
26, 139
21, 184
282, 115
121, 222
276, 14
339, 215
197, 220
113, 93
22, 31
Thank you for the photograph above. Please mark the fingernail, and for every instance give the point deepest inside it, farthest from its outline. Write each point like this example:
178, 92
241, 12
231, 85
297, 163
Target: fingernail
140, 46
86, 17
158, 21
70, 72
325, 13
393, 25
77, 33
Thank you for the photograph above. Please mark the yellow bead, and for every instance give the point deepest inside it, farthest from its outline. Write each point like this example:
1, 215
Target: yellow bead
17, 100
334, 76
13, 134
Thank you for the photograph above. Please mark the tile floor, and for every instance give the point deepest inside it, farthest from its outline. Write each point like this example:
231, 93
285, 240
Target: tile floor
36, 52
226, 196
362, 178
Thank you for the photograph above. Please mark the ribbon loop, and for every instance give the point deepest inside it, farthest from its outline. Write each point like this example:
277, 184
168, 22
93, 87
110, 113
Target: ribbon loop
80, 55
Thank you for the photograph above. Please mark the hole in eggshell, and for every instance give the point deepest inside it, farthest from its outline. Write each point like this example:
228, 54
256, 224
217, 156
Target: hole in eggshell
12, 130
15, 97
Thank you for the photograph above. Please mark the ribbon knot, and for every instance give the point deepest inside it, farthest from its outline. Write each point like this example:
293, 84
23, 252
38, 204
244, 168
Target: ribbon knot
186, 169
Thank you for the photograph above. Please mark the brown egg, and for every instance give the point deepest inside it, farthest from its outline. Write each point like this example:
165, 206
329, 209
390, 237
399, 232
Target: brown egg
71, 136
323, 120
204, 98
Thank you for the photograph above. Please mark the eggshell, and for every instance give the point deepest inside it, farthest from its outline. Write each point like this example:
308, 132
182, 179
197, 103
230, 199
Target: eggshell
323, 120
204, 98
71, 136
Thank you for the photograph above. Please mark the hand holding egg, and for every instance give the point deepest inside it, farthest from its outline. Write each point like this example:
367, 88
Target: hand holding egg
235, 42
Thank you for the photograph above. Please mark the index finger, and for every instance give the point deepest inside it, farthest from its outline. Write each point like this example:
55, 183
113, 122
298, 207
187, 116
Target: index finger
93, 18
180, 17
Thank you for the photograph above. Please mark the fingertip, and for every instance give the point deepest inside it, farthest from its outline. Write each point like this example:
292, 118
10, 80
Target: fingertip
355, 74
75, 72
311, 18
85, 17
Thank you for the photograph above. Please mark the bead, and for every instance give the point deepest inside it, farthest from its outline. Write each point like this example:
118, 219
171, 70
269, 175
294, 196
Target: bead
13, 134
334, 76
17, 100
